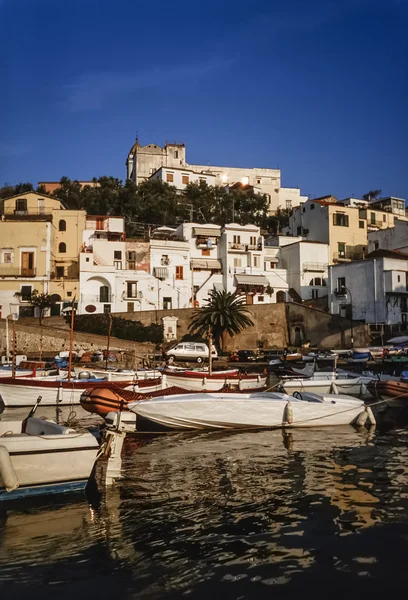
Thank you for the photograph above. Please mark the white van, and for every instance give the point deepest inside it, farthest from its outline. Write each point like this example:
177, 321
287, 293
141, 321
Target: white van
197, 351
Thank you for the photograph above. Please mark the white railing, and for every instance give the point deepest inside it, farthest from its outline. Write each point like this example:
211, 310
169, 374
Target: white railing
315, 266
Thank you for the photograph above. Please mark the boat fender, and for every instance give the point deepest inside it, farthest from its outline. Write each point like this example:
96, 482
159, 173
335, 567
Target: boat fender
370, 417
60, 393
258, 379
288, 414
361, 419
363, 389
334, 389
7, 472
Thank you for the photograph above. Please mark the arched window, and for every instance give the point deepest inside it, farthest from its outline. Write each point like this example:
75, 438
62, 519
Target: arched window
316, 281
281, 297
62, 225
62, 247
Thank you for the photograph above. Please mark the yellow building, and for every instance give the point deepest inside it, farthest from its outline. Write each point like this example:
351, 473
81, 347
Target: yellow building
343, 226
40, 241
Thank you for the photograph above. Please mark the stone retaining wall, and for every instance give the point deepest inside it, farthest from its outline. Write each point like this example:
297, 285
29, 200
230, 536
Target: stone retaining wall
56, 340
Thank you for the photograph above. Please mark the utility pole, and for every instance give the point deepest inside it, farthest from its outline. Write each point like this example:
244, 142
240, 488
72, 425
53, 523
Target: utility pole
108, 341
351, 316
71, 339
210, 349
13, 363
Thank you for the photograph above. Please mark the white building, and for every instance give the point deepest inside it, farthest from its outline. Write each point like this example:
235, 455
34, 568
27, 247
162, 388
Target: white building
180, 178
197, 258
107, 284
144, 161
390, 204
177, 268
374, 290
393, 238
307, 266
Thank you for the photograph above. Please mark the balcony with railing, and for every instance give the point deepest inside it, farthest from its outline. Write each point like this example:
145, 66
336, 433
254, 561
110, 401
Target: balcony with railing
27, 214
378, 225
315, 267
245, 247
12, 271
347, 256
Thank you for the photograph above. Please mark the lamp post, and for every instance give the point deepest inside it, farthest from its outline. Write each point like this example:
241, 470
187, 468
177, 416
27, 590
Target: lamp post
345, 289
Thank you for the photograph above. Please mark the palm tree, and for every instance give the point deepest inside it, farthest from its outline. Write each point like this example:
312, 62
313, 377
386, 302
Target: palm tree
224, 313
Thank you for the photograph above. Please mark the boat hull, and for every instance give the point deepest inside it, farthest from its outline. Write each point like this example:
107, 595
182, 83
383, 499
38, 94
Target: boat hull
213, 383
394, 392
325, 386
239, 411
48, 463
19, 393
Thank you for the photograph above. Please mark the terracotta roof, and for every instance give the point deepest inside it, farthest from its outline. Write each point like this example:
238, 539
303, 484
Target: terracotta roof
382, 253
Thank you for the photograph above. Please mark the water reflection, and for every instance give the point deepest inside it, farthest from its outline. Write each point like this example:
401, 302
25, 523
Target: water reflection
226, 513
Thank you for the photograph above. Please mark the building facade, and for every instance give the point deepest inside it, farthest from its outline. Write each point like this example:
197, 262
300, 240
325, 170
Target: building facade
332, 223
393, 238
374, 290
144, 162
180, 178
307, 266
40, 244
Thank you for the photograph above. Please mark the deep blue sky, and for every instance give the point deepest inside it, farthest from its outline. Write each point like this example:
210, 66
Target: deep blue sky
318, 88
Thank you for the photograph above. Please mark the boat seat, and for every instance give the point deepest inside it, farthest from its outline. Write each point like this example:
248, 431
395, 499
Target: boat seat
43, 427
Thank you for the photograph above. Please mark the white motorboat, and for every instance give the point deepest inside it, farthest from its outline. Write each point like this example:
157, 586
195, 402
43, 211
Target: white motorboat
327, 384
38, 456
203, 381
20, 392
235, 411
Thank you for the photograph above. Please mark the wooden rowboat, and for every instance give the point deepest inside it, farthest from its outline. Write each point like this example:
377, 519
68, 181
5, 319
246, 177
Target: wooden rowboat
395, 391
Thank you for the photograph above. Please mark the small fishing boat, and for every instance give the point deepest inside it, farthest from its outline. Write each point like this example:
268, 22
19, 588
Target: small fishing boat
394, 391
204, 381
120, 374
21, 392
256, 410
359, 357
319, 357
38, 456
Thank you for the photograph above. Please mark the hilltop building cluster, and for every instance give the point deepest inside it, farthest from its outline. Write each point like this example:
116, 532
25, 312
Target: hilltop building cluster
349, 257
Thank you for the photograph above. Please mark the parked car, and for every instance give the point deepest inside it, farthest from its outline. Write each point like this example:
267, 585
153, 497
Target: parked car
198, 351
243, 356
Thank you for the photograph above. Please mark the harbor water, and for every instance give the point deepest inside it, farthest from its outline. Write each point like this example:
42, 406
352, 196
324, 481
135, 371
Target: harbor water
231, 515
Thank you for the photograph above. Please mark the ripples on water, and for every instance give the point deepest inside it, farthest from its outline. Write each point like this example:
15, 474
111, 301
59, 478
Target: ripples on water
233, 515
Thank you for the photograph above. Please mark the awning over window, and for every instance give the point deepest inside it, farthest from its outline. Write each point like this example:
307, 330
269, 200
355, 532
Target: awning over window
211, 264
271, 259
161, 272
207, 231
251, 280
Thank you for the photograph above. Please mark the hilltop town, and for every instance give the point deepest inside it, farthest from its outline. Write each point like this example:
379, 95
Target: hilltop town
175, 231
